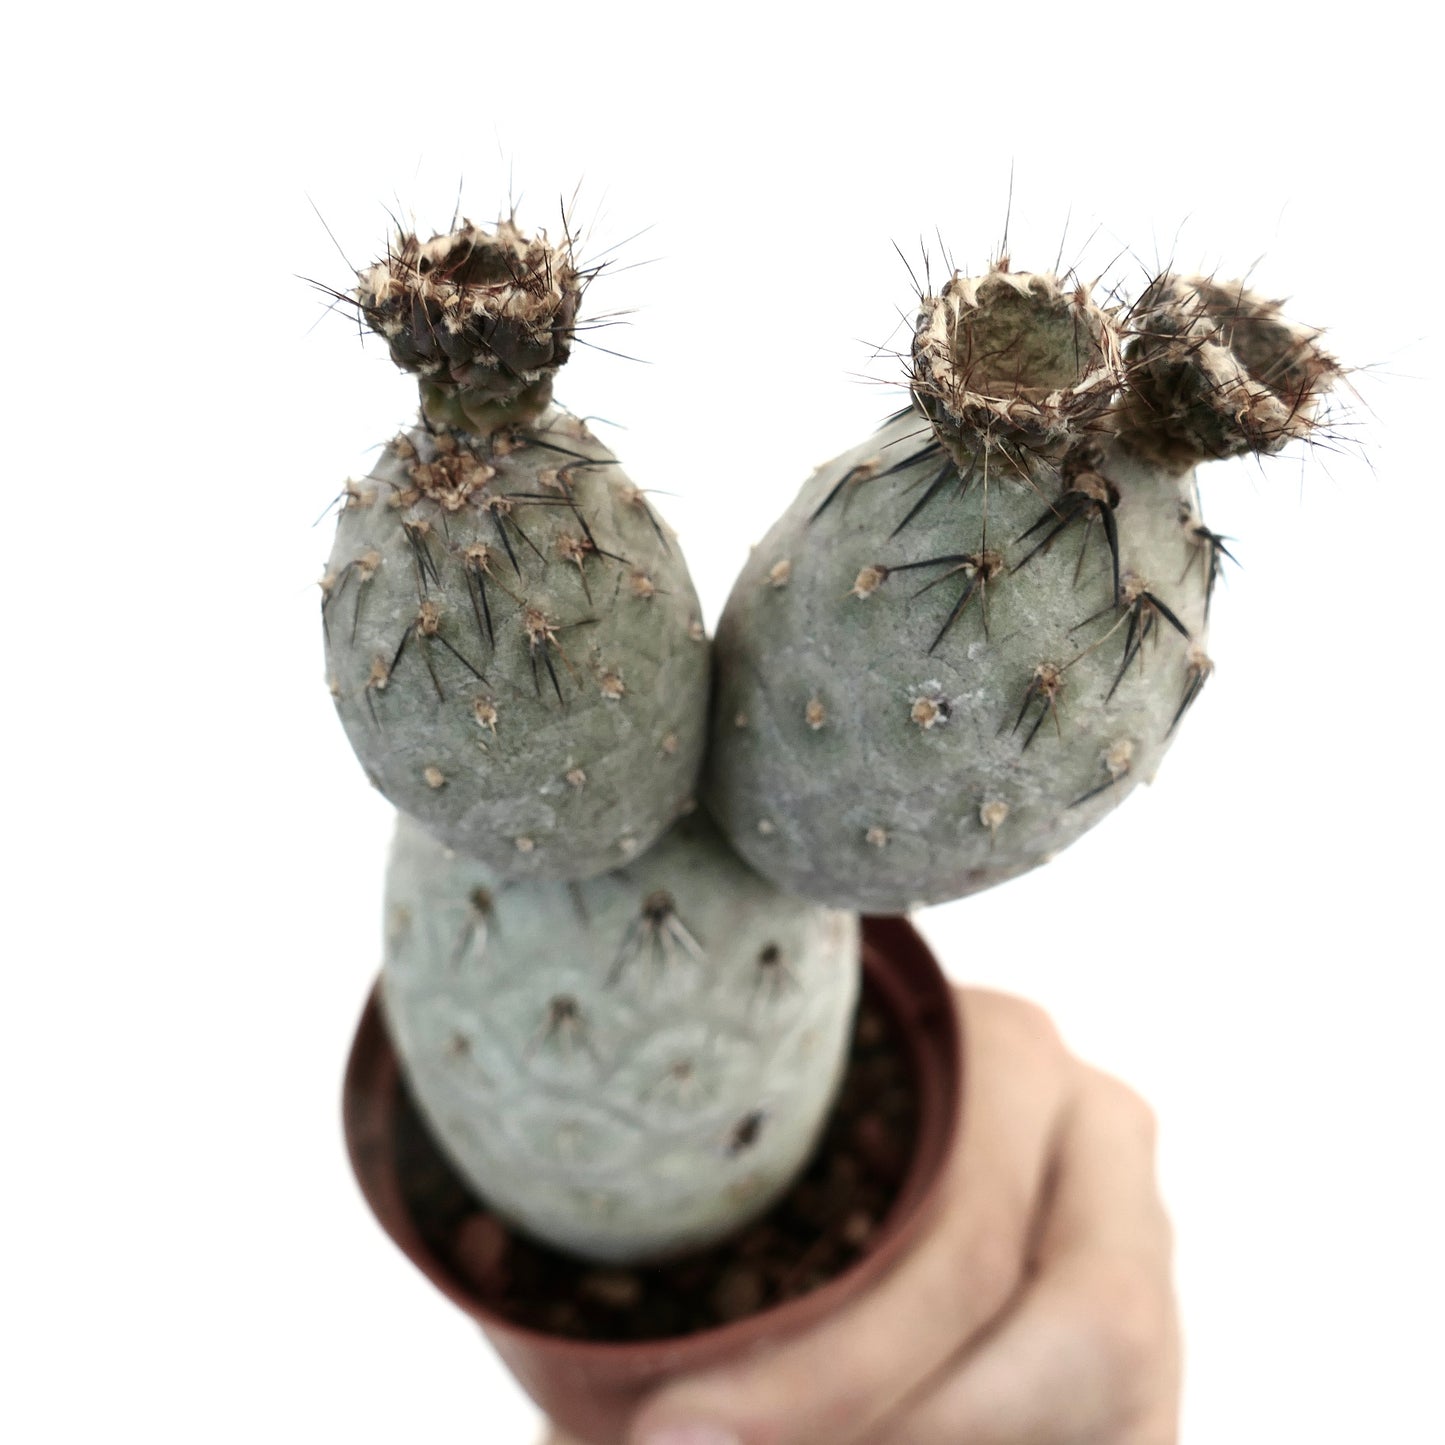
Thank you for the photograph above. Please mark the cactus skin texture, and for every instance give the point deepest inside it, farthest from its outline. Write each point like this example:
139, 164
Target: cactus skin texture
513, 643
625, 1068
969, 638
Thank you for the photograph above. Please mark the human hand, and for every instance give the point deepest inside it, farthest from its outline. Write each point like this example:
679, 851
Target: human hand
1037, 1310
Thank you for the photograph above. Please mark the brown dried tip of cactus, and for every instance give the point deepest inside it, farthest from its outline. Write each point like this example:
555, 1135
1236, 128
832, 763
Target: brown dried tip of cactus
1215, 371
1011, 357
488, 315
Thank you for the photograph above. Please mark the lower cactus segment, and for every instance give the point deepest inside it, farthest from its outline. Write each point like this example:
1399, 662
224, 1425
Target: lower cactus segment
626, 1068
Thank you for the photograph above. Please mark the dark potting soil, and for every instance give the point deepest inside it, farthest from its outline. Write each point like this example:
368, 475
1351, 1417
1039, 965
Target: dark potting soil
811, 1235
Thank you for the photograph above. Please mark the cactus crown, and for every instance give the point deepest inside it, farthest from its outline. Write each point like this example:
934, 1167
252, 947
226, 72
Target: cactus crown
1011, 356
483, 318
1216, 371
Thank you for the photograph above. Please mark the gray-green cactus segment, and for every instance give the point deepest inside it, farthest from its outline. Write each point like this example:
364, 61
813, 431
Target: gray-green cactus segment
515, 647
924, 686
625, 1068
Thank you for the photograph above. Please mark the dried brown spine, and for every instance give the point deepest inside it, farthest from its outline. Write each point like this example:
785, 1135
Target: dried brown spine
1216, 371
483, 318
1011, 357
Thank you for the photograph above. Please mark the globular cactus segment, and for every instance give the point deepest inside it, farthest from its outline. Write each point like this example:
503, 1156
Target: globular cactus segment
625, 1068
916, 717
515, 648
512, 638
956, 652
1216, 371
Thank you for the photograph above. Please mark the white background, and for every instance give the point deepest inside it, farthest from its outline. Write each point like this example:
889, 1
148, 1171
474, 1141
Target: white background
195, 859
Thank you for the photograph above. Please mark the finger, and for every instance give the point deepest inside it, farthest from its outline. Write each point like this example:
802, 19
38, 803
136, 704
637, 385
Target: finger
832, 1382
1106, 1188
1090, 1353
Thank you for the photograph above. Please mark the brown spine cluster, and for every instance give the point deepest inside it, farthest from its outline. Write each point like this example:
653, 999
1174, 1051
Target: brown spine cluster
488, 314
1011, 357
1216, 371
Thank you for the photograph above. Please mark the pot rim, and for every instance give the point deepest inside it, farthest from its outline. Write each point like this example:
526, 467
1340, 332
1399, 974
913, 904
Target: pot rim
905, 978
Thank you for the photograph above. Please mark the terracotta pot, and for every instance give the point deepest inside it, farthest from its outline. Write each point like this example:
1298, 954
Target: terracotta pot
591, 1388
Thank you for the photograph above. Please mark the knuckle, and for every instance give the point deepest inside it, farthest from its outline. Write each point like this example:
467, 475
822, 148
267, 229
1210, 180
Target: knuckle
1018, 1018
1126, 1103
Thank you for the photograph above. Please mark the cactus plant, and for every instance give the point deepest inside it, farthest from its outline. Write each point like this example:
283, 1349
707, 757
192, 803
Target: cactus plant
964, 643
512, 639
990, 617
628, 1067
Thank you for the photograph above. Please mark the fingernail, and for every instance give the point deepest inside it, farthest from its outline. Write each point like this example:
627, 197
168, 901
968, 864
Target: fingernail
690, 1435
